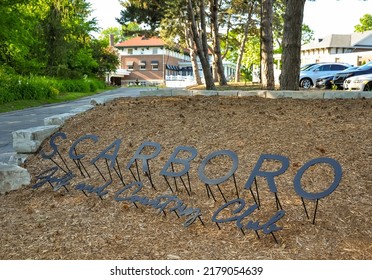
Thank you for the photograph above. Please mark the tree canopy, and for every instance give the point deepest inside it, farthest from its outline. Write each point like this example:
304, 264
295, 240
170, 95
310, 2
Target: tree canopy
50, 37
365, 23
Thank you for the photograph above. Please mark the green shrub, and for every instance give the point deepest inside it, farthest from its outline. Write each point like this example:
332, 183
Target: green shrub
14, 87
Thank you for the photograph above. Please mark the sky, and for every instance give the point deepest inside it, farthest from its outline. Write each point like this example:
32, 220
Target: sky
324, 17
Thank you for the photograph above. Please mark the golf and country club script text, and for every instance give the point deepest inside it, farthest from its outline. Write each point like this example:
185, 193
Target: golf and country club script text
130, 192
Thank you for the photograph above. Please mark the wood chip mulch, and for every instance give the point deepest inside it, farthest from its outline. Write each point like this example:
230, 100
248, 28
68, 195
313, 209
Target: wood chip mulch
46, 224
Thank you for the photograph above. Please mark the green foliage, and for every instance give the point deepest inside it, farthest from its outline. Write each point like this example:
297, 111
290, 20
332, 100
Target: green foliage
15, 87
48, 37
127, 31
365, 23
252, 52
147, 12
106, 57
307, 34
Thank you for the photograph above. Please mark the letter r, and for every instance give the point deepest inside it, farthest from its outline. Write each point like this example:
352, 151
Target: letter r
139, 155
269, 175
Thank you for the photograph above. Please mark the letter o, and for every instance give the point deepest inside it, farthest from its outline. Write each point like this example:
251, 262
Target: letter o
337, 178
222, 179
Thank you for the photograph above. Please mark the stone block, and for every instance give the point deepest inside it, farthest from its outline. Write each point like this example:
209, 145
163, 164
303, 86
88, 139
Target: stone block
81, 109
278, 94
204, 92
262, 93
341, 94
157, 92
58, 119
366, 94
101, 100
13, 158
29, 140
247, 93
12, 177
181, 92
227, 93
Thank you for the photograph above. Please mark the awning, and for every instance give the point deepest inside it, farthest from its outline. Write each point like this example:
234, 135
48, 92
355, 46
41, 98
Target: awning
142, 63
155, 62
130, 63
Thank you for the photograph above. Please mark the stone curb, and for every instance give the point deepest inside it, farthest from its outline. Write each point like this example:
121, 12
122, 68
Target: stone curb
58, 119
12, 177
263, 93
29, 140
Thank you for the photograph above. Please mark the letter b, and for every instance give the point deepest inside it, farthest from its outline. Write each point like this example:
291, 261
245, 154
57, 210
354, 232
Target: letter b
183, 161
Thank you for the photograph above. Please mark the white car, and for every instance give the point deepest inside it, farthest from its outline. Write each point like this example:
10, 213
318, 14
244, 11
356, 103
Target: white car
361, 83
309, 76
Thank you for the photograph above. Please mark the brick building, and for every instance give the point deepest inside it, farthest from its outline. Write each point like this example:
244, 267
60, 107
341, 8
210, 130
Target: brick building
149, 61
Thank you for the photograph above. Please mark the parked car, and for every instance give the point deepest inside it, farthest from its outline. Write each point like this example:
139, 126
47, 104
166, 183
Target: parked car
326, 81
339, 78
361, 82
308, 77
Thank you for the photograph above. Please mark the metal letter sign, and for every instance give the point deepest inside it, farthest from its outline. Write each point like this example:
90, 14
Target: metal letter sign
208, 181
129, 193
182, 161
316, 196
269, 175
185, 162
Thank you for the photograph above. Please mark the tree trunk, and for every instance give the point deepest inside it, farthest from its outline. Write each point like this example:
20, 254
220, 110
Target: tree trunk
244, 41
267, 59
291, 57
241, 52
193, 55
217, 43
203, 28
195, 67
201, 43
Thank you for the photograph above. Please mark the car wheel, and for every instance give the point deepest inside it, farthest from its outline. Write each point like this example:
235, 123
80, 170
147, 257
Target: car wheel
368, 87
306, 83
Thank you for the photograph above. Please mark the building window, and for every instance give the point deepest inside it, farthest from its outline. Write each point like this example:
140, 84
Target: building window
154, 50
130, 65
142, 65
155, 65
130, 51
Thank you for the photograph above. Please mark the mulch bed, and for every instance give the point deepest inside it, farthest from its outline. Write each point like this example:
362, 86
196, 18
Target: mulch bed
45, 224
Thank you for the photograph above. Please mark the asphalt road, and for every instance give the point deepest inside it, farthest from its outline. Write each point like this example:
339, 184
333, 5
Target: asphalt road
32, 117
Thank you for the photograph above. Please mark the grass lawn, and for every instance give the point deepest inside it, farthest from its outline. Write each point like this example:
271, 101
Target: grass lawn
23, 104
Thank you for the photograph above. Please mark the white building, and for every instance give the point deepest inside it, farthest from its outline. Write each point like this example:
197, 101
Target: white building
355, 49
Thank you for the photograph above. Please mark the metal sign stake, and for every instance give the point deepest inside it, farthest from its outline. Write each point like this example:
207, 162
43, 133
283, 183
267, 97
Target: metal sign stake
166, 180
99, 171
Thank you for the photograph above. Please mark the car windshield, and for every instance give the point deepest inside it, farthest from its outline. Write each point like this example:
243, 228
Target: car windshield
366, 66
306, 66
312, 67
350, 69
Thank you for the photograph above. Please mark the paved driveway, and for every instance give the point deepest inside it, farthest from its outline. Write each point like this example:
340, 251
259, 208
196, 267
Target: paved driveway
32, 117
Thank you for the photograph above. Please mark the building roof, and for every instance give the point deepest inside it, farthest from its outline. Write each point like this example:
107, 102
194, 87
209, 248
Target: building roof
142, 41
354, 40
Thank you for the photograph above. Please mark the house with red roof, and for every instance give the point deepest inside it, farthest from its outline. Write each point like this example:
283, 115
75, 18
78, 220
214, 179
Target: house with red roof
149, 61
